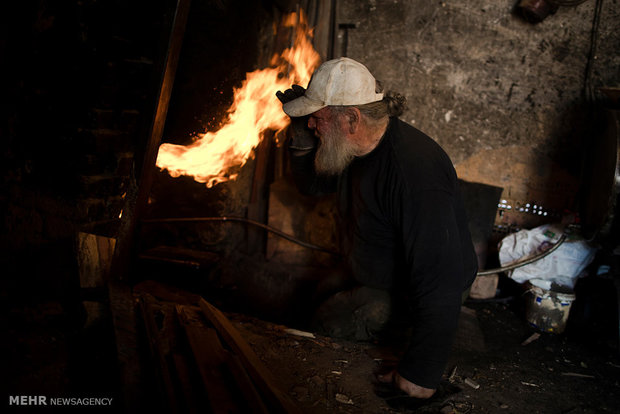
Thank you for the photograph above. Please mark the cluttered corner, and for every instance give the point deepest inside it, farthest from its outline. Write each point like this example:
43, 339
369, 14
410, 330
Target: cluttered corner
547, 261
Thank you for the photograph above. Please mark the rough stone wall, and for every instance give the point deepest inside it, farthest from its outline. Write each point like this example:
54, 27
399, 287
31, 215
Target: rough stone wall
504, 97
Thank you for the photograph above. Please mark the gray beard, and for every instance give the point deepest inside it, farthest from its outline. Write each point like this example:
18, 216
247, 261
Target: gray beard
335, 154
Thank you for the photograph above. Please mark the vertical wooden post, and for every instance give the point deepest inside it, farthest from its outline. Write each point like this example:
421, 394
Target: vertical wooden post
137, 201
259, 195
324, 28
122, 304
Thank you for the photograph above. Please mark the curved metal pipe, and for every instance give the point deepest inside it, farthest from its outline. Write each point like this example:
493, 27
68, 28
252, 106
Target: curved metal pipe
248, 221
332, 252
523, 262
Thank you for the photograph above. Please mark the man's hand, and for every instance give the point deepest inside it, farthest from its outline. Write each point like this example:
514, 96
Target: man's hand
407, 386
302, 138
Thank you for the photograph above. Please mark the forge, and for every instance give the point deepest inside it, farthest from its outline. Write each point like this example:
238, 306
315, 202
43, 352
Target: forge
215, 221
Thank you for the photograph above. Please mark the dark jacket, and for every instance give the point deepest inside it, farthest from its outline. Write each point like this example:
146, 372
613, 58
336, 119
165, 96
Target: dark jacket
406, 231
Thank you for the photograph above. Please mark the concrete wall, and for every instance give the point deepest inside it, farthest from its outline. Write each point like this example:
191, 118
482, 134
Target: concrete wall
504, 97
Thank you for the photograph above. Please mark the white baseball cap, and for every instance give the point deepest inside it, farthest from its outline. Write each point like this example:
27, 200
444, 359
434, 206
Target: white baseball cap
341, 81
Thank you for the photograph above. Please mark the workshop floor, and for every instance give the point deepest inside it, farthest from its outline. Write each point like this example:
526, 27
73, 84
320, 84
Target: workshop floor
551, 374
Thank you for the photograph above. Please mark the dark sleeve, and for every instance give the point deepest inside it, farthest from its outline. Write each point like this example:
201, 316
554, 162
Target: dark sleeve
435, 282
306, 179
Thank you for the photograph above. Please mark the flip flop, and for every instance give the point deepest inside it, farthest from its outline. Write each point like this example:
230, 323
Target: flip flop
399, 400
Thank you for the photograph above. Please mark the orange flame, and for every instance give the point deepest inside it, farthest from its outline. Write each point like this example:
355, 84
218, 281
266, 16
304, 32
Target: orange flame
213, 157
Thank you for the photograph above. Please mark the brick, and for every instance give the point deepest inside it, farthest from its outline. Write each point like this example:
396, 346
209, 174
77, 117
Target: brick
109, 96
86, 141
124, 165
133, 97
24, 220
58, 227
104, 118
95, 209
101, 185
94, 164
114, 205
112, 140
91, 209
130, 121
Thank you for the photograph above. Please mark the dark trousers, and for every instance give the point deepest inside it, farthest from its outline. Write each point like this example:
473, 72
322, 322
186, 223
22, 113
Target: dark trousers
358, 314
364, 314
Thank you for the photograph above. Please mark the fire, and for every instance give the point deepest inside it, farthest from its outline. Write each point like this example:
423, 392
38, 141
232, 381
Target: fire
215, 156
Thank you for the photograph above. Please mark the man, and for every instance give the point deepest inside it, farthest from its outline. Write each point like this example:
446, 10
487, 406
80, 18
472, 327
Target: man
406, 235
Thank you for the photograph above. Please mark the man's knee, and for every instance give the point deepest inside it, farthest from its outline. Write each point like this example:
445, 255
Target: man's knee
357, 314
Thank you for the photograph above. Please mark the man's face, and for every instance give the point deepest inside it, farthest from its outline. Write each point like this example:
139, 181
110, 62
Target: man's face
335, 151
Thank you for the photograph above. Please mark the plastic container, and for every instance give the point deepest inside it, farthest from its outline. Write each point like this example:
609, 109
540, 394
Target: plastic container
547, 310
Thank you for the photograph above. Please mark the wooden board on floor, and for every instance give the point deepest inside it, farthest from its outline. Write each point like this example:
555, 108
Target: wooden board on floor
278, 401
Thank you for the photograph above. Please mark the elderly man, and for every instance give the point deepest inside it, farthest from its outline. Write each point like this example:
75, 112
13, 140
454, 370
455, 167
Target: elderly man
405, 231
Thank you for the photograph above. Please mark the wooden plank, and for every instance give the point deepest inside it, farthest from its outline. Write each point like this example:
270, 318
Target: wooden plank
210, 358
94, 257
166, 292
262, 377
259, 195
122, 307
252, 397
163, 101
159, 346
182, 370
138, 193
323, 29
211, 346
121, 299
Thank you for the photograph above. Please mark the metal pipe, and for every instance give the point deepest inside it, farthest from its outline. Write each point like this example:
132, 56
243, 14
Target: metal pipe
187, 263
332, 252
248, 221
523, 262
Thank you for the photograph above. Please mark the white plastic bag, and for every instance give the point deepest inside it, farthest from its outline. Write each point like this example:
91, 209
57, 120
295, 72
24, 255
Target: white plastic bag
562, 267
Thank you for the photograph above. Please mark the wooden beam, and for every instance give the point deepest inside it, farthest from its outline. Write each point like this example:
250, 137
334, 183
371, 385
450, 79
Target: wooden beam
210, 358
122, 305
323, 28
259, 195
190, 399
138, 193
159, 344
243, 380
262, 377
163, 102
166, 293
122, 309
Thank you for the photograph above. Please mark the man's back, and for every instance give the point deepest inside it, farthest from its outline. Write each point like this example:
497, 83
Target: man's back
390, 193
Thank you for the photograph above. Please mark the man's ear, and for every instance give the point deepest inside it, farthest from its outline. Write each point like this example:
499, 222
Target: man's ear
354, 118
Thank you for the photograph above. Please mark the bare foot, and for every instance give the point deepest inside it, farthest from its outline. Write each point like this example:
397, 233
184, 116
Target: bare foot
413, 390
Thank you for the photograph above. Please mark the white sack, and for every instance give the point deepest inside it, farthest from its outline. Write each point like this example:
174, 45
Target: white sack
562, 267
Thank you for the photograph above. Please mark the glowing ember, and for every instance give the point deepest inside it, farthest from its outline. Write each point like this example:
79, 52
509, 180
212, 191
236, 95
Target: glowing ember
213, 157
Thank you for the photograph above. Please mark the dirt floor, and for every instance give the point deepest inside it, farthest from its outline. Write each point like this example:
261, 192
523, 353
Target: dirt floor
491, 369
